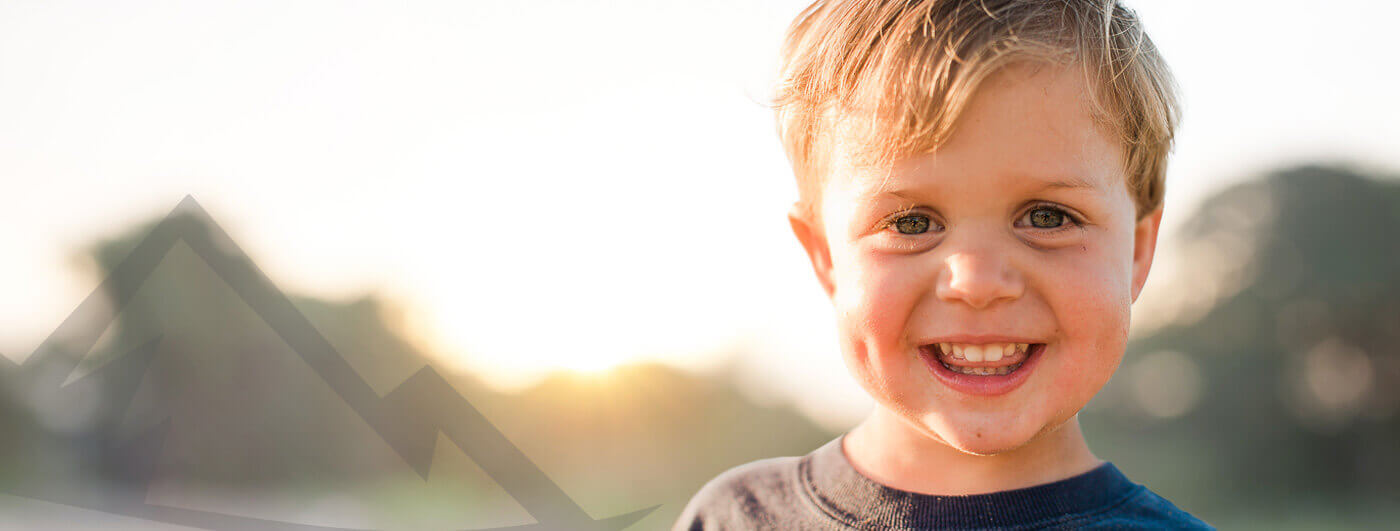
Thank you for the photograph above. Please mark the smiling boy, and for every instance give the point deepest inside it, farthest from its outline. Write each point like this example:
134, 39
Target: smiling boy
980, 189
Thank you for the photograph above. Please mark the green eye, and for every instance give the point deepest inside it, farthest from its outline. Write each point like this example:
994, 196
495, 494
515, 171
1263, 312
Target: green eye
1047, 218
912, 224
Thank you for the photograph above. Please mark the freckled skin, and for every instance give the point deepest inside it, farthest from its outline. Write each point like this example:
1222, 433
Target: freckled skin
982, 268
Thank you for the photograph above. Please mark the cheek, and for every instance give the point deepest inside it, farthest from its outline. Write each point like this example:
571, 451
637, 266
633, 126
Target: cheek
1092, 282
1091, 295
875, 296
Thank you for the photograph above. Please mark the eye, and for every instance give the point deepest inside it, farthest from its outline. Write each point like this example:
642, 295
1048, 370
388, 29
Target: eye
909, 231
1047, 218
912, 224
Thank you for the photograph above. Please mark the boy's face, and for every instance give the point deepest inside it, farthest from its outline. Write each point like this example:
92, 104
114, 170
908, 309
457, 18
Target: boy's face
1018, 230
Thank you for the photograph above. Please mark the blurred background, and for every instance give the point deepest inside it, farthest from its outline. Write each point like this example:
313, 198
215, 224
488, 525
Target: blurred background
575, 212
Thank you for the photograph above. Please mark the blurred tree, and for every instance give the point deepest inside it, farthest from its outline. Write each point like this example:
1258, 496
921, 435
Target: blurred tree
246, 412
1294, 358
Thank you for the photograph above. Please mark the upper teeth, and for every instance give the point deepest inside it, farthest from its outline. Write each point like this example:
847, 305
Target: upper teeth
983, 352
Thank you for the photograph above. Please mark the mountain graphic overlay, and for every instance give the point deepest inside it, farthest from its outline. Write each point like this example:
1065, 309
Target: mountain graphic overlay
408, 418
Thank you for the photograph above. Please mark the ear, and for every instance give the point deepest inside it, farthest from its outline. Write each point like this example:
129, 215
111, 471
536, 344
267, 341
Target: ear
809, 232
1144, 246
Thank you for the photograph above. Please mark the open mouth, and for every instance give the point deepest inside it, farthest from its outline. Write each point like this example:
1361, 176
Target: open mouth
982, 368
989, 359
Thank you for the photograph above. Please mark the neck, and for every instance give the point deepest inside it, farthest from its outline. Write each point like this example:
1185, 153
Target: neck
889, 451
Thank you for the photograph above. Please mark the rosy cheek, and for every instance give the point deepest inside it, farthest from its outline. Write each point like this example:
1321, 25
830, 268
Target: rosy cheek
880, 292
897, 286
1092, 304
1095, 277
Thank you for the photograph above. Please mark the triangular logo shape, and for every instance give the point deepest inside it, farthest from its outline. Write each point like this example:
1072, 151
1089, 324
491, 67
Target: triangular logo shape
409, 418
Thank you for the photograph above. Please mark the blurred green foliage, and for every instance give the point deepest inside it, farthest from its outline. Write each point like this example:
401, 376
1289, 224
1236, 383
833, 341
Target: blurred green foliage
1292, 358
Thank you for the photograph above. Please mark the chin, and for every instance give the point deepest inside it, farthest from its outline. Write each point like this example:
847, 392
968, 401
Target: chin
979, 438
984, 445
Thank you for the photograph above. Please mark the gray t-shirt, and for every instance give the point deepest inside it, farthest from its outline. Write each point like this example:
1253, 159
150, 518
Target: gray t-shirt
821, 490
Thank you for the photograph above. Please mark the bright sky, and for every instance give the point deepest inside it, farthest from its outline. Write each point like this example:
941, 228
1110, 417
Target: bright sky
548, 184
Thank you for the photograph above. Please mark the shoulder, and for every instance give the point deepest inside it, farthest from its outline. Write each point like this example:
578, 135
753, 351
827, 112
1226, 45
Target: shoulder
1143, 509
754, 495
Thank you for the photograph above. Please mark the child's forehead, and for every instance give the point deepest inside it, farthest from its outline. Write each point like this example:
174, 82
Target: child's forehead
941, 169
1025, 128
914, 178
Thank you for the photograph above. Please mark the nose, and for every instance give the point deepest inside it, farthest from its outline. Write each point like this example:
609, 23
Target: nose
978, 278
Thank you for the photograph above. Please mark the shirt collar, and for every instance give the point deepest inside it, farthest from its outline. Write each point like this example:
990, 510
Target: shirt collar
839, 490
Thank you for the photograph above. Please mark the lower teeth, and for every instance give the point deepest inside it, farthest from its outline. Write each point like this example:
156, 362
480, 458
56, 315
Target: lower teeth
983, 371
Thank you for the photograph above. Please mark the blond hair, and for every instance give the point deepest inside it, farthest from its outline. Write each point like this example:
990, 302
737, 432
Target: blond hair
891, 77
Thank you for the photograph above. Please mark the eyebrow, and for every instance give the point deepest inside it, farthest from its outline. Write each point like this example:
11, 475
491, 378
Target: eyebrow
1067, 183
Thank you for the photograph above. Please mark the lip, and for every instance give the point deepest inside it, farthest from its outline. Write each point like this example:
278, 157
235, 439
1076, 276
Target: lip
991, 385
978, 340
